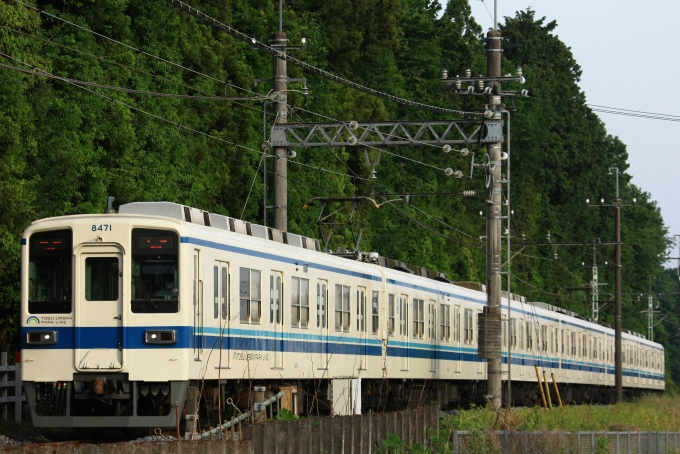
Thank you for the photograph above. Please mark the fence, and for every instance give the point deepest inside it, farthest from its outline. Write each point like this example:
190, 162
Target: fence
343, 434
507, 442
6, 384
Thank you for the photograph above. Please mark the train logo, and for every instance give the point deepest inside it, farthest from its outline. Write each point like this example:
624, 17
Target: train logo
33, 320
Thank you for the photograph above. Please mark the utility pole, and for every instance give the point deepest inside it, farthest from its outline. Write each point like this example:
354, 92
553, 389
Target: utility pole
493, 226
618, 345
280, 80
618, 357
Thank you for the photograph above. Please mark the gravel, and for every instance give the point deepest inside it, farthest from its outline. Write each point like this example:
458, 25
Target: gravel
5, 441
152, 438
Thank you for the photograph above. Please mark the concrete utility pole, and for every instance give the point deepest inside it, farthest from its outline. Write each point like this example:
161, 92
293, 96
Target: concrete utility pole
281, 111
493, 226
618, 358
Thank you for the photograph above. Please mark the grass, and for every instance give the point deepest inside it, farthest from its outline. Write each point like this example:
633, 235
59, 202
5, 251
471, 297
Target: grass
649, 413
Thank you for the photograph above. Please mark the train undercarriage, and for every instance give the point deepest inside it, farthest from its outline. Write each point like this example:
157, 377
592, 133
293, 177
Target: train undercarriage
111, 400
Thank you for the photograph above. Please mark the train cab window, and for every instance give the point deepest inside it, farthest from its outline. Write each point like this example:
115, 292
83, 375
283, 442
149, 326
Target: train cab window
154, 271
467, 322
299, 301
250, 295
375, 313
102, 278
391, 317
50, 272
342, 313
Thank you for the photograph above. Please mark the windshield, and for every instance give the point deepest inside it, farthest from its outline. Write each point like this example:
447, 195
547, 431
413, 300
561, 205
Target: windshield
154, 271
49, 272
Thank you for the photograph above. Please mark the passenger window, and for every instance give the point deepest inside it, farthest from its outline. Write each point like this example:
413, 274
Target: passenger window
250, 295
375, 313
391, 319
299, 302
342, 313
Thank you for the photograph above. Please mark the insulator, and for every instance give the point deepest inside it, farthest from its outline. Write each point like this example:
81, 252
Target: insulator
469, 193
445, 74
448, 171
459, 85
458, 174
446, 148
353, 125
468, 72
464, 151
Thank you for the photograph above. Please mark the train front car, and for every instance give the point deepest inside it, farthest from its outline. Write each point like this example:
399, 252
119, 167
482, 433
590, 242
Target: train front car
99, 293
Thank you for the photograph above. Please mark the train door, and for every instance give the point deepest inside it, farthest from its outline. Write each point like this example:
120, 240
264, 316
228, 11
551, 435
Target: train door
361, 327
481, 364
322, 321
276, 308
457, 340
581, 346
198, 307
99, 308
221, 311
504, 344
432, 312
403, 329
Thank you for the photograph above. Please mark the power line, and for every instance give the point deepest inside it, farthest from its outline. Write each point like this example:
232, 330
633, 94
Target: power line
192, 11
177, 65
126, 90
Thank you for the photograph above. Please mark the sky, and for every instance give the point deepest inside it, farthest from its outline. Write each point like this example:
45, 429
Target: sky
620, 48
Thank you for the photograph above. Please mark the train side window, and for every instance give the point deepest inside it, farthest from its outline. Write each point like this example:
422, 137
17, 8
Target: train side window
250, 295
467, 321
342, 313
391, 318
521, 334
530, 336
504, 332
445, 328
544, 338
321, 304
584, 352
216, 285
513, 333
375, 311
155, 271
361, 309
418, 318
299, 290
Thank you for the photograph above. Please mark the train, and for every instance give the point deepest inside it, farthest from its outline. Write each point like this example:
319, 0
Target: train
135, 318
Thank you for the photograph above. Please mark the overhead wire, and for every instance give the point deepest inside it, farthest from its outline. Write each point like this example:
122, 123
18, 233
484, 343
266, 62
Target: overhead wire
129, 90
194, 12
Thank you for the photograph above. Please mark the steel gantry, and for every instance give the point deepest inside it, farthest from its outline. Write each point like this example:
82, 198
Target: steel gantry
387, 133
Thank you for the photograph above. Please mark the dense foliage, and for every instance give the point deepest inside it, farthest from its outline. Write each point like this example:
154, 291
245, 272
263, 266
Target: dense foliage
65, 148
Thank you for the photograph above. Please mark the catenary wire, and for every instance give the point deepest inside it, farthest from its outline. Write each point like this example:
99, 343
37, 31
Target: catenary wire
194, 12
127, 90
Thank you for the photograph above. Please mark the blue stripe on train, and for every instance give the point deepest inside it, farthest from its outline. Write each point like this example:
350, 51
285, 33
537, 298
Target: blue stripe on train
133, 338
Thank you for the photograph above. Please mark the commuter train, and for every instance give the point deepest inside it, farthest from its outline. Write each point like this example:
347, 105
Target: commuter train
129, 317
